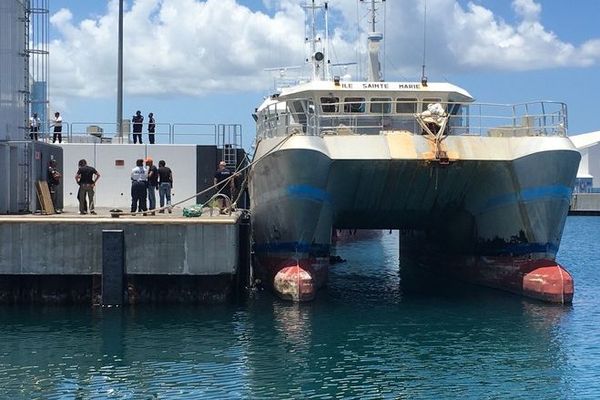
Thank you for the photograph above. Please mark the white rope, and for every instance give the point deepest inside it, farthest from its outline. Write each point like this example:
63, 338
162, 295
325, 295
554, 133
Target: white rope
222, 183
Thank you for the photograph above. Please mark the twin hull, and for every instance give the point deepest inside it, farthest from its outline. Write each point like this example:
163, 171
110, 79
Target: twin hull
494, 213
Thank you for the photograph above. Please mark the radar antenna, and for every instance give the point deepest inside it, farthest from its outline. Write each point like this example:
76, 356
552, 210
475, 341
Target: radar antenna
318, 57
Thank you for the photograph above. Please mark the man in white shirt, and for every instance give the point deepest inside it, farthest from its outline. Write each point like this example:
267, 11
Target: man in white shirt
34, 126
57, 123
139, 184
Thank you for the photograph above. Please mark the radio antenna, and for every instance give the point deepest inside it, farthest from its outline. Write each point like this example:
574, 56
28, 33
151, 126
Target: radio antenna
373, 44
423, 76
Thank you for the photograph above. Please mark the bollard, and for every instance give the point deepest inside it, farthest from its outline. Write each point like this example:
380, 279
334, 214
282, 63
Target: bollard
113, 267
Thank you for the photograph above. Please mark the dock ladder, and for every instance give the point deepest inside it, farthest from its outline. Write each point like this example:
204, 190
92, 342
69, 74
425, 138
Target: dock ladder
229, 141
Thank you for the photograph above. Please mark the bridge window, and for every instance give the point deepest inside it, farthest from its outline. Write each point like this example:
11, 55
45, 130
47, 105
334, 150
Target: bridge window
330, 104
455, 108
381, 105
406, 106
354, 105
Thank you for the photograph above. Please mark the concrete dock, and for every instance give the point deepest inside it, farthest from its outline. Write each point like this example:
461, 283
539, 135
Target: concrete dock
585, 204
166, 257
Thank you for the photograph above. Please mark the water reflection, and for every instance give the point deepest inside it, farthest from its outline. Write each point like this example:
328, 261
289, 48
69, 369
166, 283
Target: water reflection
364, 337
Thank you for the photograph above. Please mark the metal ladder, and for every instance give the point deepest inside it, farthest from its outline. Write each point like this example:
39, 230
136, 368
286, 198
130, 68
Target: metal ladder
229, 140
25, 162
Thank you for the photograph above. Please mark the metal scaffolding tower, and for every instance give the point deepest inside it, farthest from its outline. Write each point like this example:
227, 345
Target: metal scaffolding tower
36, 35
37, 30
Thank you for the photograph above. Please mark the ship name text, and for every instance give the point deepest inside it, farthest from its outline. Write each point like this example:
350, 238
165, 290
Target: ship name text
377, 85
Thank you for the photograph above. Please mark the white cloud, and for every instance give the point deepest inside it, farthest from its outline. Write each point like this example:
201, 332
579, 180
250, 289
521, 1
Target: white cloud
473, 37
174, 46
529, 10
196, 47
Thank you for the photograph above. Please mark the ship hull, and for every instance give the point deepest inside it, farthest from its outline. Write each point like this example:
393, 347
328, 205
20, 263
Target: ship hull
531, 274
499, 199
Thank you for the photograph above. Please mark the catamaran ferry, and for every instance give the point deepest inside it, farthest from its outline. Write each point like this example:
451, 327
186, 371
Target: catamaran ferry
478, 191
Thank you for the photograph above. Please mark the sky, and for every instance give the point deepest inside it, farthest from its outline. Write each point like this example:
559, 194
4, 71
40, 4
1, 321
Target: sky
205, 61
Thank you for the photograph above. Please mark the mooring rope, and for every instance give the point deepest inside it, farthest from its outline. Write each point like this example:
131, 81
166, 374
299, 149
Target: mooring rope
222, 184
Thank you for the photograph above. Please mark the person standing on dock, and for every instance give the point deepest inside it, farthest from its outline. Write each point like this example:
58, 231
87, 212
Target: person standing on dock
34, 127
224, 174
151, 127
152, 172
86, 178
53, 179
165, 185
139, 183
57, 124
138, 122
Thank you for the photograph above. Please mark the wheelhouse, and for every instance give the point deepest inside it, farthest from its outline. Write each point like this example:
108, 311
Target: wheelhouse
326, 108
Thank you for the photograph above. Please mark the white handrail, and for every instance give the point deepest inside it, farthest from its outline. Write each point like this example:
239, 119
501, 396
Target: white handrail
541, 118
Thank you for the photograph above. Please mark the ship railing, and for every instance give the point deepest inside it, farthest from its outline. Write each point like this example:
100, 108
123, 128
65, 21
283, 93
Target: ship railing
106, 132
204, 134
541, 118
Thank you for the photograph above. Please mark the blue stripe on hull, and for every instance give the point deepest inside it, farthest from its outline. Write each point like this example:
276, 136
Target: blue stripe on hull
293, 247
308, 192
520, 249
560, 192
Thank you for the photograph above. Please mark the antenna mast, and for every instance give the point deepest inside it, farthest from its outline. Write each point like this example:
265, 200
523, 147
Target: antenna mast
374, 38
316, 54
423, 76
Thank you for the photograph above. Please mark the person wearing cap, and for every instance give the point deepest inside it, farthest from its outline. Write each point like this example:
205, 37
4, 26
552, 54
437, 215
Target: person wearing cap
152, 172
223, 175
139, 182
138, 122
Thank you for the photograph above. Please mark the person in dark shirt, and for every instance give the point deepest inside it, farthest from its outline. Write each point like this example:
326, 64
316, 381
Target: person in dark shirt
151, 127
224, 174
86, 178
152, 172
53, 179
138, 122
165, 184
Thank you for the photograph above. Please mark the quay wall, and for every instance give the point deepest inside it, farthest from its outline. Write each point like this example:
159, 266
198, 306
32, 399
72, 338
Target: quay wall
58, 259
585, 203
71, 247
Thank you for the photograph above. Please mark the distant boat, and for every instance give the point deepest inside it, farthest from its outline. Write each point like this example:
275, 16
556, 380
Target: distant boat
478, 191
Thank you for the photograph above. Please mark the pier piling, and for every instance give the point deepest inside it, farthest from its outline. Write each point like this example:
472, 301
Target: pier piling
113, 267
244, 275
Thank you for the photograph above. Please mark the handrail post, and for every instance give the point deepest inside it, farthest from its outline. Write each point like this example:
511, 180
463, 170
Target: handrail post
544, 119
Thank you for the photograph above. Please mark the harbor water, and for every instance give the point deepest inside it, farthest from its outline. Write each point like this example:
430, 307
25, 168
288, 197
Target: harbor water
364, 337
